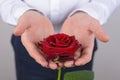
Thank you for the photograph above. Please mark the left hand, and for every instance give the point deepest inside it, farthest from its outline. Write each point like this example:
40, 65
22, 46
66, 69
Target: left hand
85, 28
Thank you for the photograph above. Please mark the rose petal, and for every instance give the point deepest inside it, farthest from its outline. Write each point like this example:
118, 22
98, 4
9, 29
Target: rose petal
60, 46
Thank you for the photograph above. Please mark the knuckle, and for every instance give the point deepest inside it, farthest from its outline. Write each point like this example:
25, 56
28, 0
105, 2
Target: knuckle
88, 59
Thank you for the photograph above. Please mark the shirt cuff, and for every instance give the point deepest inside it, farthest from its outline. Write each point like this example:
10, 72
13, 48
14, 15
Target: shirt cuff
20, 9
89, 11
19, 12
95, 10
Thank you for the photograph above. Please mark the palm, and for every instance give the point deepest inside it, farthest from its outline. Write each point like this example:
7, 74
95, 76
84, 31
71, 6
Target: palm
37, 33
85, 29
34, 35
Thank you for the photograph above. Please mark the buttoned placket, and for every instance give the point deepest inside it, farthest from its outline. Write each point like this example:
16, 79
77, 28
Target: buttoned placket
54, 10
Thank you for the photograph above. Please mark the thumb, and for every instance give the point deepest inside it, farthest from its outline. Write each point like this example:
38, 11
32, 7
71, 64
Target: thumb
99, 33
21, 27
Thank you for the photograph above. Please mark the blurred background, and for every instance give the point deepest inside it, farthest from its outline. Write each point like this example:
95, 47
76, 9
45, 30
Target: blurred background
106, 62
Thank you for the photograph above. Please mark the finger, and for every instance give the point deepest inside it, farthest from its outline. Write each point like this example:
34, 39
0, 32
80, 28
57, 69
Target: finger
65, 29
99, 33
69, 64
34, 53
21, 27
60, 64
85, 57
77, 54
52, 65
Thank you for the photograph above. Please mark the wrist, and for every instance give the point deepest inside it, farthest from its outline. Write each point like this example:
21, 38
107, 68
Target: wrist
34, 10
79, 12
31, 14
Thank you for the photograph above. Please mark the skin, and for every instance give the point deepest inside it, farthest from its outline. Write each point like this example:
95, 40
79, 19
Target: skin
85, 28
34, 27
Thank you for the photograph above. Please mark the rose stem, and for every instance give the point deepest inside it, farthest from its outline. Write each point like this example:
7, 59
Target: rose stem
59, 74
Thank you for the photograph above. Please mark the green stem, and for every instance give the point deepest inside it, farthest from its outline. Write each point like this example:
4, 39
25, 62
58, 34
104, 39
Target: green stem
59, 74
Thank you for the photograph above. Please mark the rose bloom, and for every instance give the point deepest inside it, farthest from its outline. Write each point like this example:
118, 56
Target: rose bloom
59, 47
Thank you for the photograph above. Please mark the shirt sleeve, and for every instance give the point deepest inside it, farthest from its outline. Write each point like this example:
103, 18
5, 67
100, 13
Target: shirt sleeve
11, 10
98, 9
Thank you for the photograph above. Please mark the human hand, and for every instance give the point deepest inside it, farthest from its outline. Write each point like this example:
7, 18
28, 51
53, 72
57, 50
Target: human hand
33, 27
85, 29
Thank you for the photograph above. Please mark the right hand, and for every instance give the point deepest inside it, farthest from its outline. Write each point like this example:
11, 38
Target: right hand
33, 27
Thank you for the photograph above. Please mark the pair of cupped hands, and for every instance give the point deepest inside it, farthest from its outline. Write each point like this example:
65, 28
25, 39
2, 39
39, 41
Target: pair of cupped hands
33, 27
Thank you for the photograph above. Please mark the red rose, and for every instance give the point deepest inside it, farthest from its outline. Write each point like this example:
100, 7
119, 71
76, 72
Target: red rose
59, 47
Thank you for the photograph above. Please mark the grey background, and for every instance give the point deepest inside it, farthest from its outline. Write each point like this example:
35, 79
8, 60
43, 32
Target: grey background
106, 63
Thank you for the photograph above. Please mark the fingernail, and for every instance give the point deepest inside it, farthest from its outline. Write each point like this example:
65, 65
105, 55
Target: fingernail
77, 63
43, 64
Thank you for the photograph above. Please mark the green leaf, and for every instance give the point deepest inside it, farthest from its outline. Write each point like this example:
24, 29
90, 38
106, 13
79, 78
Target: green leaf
79, 75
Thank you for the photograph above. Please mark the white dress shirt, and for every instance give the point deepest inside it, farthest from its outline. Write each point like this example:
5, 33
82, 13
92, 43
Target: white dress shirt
57, 10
